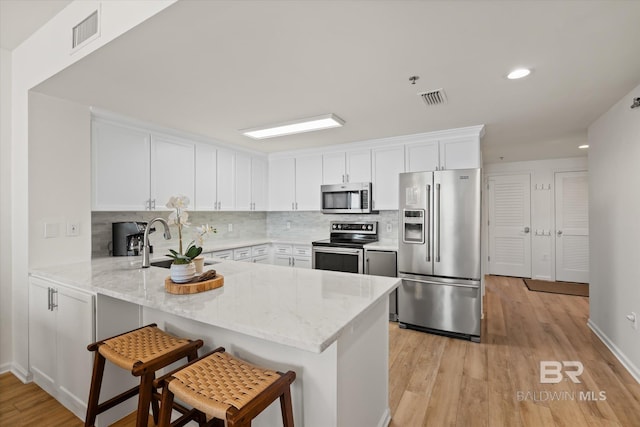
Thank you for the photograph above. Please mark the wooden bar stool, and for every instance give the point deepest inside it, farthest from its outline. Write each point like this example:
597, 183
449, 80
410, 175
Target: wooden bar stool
142, 351
226, 390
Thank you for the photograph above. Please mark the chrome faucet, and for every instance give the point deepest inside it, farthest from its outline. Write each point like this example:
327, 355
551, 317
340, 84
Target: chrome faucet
145, 241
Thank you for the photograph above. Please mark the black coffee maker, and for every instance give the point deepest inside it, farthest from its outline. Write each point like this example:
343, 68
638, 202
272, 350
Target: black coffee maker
127, 237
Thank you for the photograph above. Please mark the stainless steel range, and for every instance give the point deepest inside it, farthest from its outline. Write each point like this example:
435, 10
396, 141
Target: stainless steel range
344, 250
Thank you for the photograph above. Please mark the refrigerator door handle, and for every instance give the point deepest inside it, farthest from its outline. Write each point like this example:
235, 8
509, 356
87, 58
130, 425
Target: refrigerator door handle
437, 222
427, 223
458, 285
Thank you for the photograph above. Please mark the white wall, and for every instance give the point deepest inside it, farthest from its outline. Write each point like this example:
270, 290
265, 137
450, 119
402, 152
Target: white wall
41, 56
614, 228
542, 174
5, 210
59, 179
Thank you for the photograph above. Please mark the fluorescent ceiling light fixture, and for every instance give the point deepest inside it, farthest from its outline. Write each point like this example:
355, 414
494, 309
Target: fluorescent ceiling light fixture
583, 146
519, 73
325, 121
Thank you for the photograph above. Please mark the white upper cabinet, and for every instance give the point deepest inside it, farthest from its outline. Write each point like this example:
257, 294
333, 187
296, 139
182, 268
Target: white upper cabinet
243, 182
135, 170
227, 180
294, 183
282, 189
225, 177
422, 156
450, 153
349, 166
172, 170
251, 183
333, 168
206, 178
121, 167
259, 183
358, 166
308, 179
460, 153
388, 163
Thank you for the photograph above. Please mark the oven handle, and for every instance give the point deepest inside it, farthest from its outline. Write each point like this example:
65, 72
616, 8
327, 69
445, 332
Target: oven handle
334, 250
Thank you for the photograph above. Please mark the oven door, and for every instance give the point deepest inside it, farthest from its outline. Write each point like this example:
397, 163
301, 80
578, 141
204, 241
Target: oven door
348, 260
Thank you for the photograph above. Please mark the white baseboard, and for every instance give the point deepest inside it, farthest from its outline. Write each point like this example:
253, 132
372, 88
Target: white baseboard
386, 418
629, 366
22, 374
5, 367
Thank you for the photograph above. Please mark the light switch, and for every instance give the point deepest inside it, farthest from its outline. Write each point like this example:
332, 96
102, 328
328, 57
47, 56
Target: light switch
51, 230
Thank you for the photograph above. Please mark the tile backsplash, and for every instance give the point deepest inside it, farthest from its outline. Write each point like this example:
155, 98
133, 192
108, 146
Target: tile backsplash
246, 225
300, 226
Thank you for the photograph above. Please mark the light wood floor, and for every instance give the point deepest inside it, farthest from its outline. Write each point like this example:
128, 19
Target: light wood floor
438, 381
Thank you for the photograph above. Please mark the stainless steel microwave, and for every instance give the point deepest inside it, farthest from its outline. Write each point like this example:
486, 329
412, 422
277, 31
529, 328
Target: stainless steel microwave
354, 197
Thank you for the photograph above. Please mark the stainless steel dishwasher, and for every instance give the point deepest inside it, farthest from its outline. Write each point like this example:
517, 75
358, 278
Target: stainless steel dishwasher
383, 263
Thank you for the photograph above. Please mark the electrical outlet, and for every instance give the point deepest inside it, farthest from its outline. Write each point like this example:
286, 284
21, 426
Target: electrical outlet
633, 318
389, 227
73, 229
230, 227
288, 225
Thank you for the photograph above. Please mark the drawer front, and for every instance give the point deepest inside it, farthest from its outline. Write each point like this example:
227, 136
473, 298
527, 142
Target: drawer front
222, 254
302, 251
260, 250
282, 249
241, 253
264, 259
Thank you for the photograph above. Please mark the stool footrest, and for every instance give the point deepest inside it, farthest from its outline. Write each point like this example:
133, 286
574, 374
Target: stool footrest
104, 406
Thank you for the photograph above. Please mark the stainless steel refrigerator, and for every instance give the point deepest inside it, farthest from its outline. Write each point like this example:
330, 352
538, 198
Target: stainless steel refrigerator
439, 252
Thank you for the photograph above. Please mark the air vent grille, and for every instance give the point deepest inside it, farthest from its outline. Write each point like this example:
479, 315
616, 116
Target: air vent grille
433, 97
85, 29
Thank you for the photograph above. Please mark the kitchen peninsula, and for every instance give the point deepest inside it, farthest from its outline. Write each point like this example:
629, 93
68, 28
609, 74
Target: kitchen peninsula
329, 327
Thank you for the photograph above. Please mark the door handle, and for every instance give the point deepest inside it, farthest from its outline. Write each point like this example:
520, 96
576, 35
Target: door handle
559, 233
437, 212
526, 230
427, 223
48, 299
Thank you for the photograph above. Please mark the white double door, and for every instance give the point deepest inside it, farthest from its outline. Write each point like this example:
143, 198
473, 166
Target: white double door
509, 226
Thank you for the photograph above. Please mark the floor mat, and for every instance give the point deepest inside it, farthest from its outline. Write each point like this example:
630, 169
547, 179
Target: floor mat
567, 288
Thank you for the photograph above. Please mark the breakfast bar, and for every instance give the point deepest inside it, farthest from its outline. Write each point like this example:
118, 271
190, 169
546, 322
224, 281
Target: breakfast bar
330, 328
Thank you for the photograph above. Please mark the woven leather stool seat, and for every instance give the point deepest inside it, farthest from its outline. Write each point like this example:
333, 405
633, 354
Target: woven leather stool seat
223, 387
142, 351
139, 346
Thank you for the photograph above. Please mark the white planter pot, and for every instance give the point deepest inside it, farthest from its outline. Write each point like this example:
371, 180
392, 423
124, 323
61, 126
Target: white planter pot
182, 273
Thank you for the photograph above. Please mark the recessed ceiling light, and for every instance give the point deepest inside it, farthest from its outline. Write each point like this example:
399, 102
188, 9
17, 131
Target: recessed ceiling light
583, 146
326, 121
519, 73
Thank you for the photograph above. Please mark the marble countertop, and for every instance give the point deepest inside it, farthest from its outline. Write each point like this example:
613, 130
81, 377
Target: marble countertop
305, 309
223, 245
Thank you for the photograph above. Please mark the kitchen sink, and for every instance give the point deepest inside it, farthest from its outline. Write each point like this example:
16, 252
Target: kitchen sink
166, 263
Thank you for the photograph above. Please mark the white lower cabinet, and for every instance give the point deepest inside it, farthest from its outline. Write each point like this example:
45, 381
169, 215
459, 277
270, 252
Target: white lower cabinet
242, 254
227, 254
61, 325
292, 255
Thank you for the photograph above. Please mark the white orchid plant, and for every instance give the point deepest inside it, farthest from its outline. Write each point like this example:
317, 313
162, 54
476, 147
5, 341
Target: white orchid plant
180, 218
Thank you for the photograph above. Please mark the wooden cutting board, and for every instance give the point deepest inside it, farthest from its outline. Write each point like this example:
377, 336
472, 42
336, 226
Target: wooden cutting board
193, 288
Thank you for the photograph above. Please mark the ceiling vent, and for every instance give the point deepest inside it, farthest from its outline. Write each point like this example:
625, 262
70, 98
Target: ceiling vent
85, 30
433, 97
